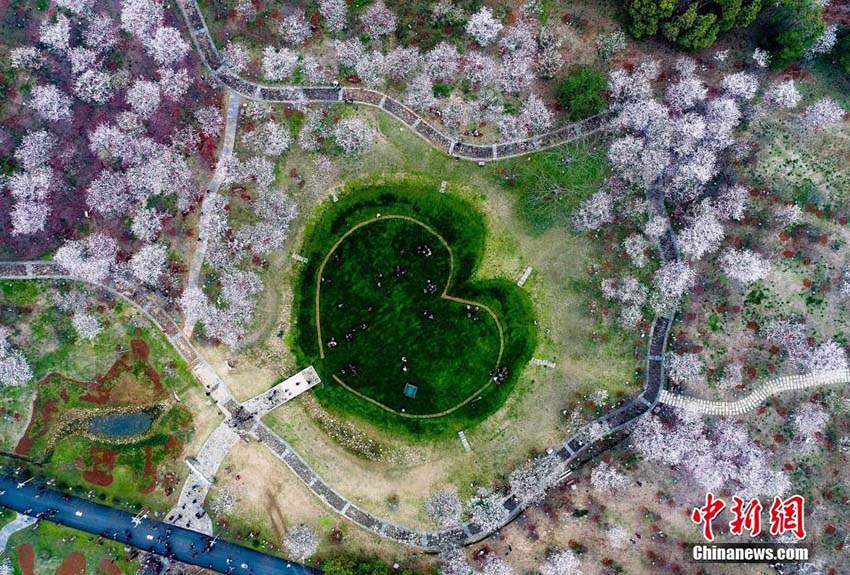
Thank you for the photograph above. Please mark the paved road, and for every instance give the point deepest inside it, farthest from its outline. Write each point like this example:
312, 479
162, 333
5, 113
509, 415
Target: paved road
149, 535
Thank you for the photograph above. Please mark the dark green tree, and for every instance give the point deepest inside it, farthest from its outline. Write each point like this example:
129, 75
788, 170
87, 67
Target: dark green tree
737, 13
692, 24
792, 27
581, 92
692, 30
645, 16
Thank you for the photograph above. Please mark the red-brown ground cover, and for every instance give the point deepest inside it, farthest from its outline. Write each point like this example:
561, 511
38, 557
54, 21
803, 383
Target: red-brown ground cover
26, 559
74, 564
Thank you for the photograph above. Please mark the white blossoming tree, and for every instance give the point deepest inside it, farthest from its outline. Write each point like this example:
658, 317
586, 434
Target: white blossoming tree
483, 27
744, 266
14, 368
378, 20
301, 542
354, 136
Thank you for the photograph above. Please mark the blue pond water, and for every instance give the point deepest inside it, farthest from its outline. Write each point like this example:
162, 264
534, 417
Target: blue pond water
120, 424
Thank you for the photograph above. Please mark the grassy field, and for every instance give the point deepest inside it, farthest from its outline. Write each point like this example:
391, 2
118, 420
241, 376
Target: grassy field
50, 545
128, 367
390, 276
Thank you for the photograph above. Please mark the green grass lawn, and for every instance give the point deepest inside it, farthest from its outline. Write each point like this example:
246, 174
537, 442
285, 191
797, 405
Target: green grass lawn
391, 276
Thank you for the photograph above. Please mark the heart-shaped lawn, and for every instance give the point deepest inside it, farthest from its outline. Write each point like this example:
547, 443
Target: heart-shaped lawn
388, 321
390, 316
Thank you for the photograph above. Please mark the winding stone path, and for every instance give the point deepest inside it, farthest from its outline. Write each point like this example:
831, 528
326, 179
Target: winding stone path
293, 94
759, 395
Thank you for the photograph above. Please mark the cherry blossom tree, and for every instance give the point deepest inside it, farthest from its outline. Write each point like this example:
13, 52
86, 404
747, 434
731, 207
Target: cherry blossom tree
703, 233
209, 120
279, 64
741, 85
348, 52
26, 57
535, 116
402, 62
301, 542
50, 103
479, 70
824, 114
441, 63
371, 68
354, 136
516, 74
148, 264
28, 217
828, 356
236, 57
455, 113
100, 33
605, 477
809, 421
90, 259
108, 194
671, 281
14, 368
378, 20
595, 211
483, 27
86, 325
167, 46
35, 149
790, 336
492, 564
420, 93
444, 507
80, 8
56, 35
631, 293
314, 72
783, 93
561, 562
453, 562
173, 83
761, 58
744, 266
270, 139
549, 59
712, 458
335, 13
486, 510
635, 246
143, 97
295, 29
731, 202
141, 17
93, 86
146, 224
685, 368
276, 212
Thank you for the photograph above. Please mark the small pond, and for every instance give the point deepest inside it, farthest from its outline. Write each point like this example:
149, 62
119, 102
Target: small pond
120, 424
